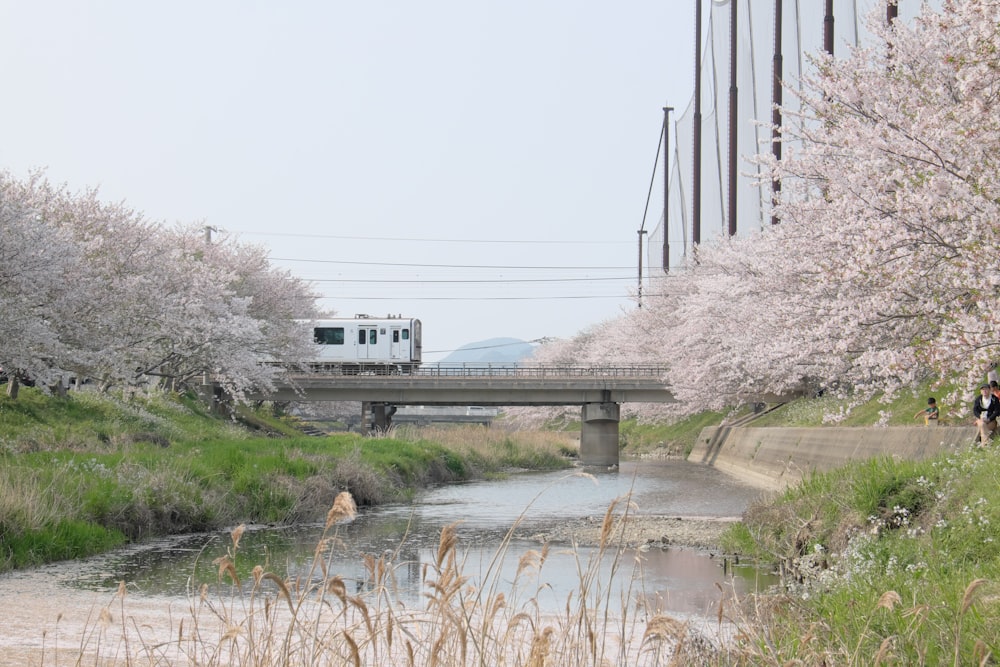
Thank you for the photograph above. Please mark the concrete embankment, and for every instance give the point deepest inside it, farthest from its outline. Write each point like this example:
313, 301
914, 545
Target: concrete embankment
774, 458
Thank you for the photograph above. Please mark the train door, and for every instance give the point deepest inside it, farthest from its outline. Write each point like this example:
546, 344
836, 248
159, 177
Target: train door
367, 342
397, 349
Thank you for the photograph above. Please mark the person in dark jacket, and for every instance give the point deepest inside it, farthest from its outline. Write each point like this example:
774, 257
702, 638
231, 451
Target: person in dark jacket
986, 408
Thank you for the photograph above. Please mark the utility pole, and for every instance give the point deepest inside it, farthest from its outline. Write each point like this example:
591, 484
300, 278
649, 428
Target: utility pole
828, 28
733, 117
696, 180
776, 83
649, 195
666, 188
639, 289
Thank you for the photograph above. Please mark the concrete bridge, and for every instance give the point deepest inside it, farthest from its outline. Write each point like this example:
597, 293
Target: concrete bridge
425, 415
598, 390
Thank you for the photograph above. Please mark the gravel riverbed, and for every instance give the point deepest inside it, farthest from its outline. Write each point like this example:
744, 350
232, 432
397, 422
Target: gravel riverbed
635, 531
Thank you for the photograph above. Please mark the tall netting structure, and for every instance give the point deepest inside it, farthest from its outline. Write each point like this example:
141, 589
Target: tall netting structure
806, 27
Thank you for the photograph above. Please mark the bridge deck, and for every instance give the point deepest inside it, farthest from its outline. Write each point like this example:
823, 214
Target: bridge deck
440, 384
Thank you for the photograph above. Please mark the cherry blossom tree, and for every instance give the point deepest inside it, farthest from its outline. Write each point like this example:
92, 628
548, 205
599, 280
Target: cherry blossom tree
881, 271
114, 297
892, 190
37, 266
884, 270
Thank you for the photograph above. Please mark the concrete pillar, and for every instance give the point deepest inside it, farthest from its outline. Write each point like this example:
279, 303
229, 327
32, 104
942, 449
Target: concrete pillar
599, 434
381, 416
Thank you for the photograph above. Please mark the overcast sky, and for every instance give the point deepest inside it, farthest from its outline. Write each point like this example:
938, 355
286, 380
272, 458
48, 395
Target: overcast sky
483, 166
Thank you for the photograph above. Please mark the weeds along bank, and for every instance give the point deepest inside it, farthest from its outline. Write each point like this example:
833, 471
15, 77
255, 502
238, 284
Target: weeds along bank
85, 474
884, 562
890, 558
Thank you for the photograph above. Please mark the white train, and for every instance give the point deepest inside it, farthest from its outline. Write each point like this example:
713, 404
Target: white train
365, 344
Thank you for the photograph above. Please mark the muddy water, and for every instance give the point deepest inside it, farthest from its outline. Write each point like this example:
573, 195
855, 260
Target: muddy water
162, 576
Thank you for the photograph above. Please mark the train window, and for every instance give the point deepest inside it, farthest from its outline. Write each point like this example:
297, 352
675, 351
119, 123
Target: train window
406, 334
362, 335
372, 336
395, 335
329, 335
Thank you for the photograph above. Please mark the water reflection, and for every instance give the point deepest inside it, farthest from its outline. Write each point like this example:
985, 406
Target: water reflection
680, 581
674, 487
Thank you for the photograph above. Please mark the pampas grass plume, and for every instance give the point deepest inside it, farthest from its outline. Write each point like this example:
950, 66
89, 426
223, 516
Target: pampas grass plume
343, 509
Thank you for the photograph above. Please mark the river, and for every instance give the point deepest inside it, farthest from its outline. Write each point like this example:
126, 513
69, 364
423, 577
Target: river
63, 599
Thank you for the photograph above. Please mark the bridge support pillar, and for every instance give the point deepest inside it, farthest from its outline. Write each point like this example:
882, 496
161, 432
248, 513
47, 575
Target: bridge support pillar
599, 434
378, 416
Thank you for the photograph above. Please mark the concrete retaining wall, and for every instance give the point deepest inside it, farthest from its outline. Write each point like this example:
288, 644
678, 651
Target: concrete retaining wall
774, 458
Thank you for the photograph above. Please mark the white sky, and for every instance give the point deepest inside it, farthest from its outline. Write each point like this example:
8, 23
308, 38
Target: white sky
351, 138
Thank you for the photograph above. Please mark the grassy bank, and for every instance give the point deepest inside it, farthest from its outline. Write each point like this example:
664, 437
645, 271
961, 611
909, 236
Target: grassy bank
884, 562
641, 439
889, 562
677, 438
81, 475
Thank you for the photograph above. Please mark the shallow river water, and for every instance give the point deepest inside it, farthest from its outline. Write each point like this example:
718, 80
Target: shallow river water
63, 599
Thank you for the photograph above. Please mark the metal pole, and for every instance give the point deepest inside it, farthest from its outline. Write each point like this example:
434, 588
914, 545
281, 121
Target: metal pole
666, 188
778, 66
639, 289
733, 98
696, 180
649, 195
828, 28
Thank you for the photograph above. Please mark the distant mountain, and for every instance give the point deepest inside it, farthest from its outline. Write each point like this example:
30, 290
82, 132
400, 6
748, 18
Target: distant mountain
490, 351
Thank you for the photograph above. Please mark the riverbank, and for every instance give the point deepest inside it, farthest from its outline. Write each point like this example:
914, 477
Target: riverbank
85, 474
884, 557
780, 457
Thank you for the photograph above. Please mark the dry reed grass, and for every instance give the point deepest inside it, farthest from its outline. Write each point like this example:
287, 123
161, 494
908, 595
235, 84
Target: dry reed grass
22, 499
313, 620
764, 636
494, 442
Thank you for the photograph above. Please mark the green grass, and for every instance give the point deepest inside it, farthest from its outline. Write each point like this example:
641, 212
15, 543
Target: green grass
86, 473
676, 438
61, 540
897, 412
893, 556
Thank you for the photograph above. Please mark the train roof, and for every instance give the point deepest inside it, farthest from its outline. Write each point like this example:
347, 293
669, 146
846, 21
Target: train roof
392, 318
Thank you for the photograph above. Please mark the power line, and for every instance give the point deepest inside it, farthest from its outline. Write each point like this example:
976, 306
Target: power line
453, 266
470, 298
500, 281
425, 240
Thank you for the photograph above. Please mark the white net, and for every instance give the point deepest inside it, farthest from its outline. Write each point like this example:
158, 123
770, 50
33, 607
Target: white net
802, 32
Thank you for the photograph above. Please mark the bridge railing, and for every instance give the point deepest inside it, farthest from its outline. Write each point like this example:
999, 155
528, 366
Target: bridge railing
541, 370
528, 370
